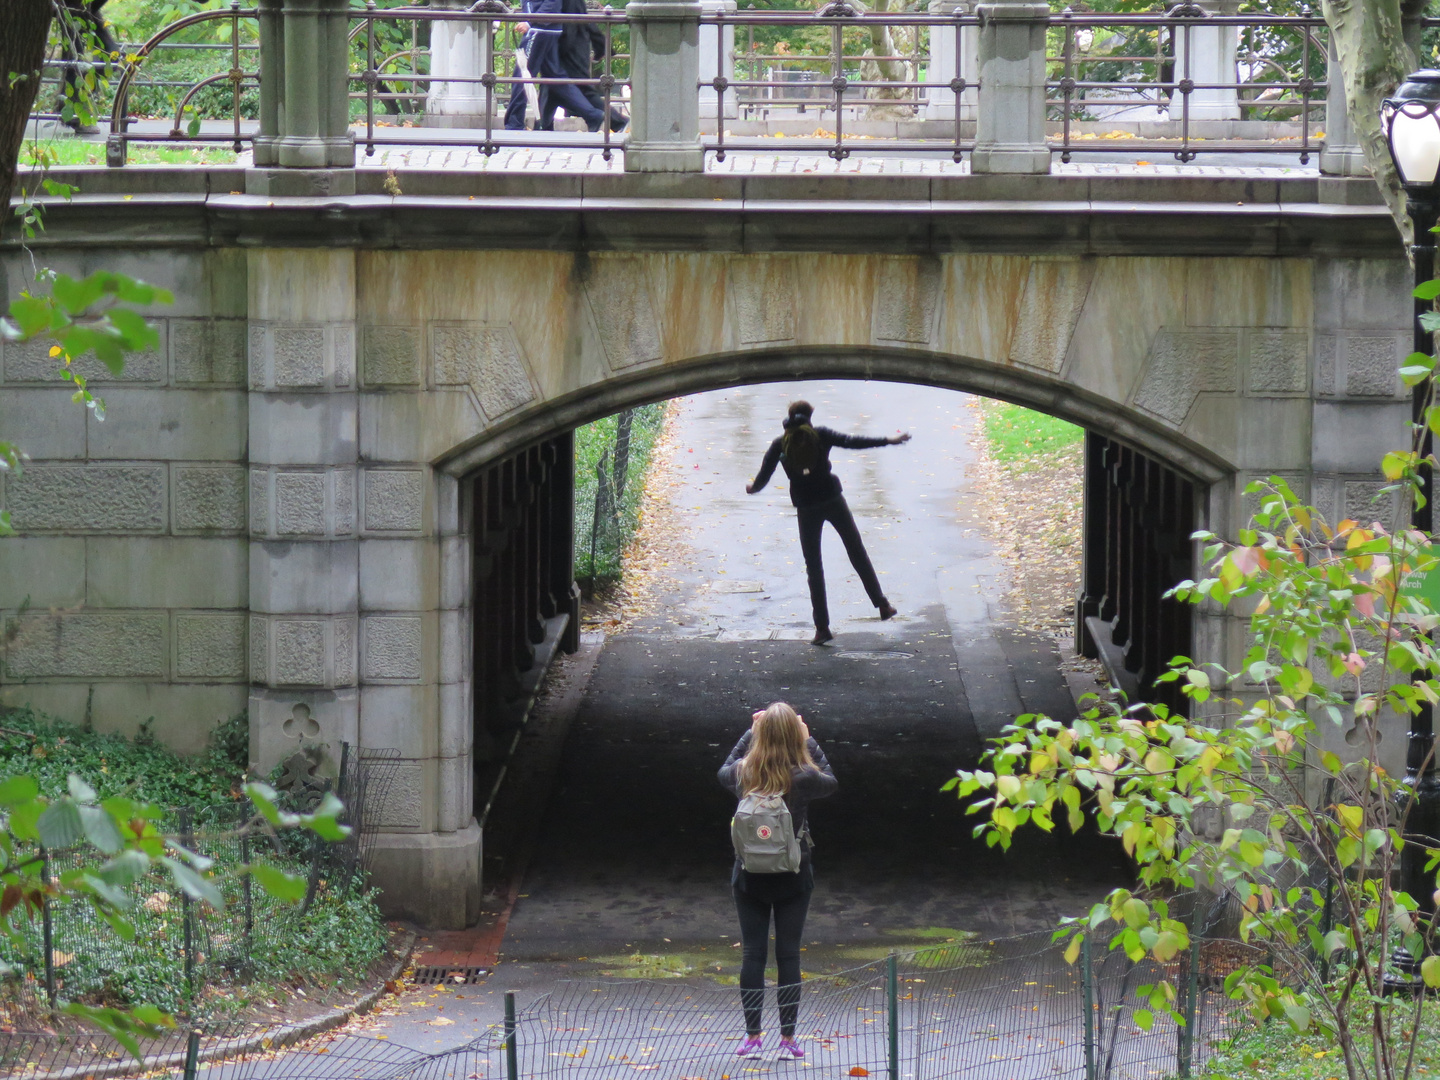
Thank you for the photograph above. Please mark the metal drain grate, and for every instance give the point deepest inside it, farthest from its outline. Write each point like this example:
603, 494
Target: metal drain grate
452, 976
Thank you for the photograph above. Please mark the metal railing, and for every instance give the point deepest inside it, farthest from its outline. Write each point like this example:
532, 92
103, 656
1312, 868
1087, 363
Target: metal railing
1168, 78
1183, 83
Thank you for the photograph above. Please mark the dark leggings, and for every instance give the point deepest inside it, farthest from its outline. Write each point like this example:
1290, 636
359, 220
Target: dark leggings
755, 943
812, 520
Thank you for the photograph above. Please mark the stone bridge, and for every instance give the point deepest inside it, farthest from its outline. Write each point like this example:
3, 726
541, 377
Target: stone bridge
338, 493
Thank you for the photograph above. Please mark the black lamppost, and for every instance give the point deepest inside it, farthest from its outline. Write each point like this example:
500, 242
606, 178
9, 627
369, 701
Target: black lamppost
1411, 121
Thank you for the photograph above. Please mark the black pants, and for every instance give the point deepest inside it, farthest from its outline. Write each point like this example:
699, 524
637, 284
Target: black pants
755, 915
812, 519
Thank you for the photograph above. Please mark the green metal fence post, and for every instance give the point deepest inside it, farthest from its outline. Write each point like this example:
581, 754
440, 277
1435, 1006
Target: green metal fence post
512, 1055
1186, 1033
247, 899
1087, 982
187, 914
892, 997
47, 927
192, 1055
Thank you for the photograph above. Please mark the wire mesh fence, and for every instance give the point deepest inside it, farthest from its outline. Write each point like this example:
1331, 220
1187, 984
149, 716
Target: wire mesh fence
188, 957
991, 1009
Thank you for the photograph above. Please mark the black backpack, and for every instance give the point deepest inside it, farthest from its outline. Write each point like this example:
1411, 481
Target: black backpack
801, 452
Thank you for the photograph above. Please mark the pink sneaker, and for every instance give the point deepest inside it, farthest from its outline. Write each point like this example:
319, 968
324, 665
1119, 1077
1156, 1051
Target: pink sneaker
752, 1045
789, 1048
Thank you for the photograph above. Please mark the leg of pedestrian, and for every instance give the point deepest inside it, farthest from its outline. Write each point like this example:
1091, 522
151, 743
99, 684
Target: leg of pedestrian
844, 522
812, 521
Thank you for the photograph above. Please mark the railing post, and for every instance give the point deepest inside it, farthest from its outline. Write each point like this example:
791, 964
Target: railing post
717, 60
1010, 125
311, 77
664, 87
1341, 153
1087, 984
272, 81
953, 55
1212, 60
47, 928
512, 1052
892, 998
457, 48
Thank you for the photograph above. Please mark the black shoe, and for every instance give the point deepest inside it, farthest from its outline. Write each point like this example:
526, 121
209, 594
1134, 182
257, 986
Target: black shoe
822, 635
618, 121
887, 612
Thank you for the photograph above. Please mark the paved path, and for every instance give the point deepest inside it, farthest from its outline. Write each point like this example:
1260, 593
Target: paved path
630, 870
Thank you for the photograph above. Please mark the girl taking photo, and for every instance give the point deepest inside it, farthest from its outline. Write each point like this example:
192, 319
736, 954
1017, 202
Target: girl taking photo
775, 757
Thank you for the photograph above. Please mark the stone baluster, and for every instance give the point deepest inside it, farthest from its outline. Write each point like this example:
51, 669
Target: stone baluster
309, 148
949, 62
462, 49
1212, 52
1341, 153
1010, 122
665, 86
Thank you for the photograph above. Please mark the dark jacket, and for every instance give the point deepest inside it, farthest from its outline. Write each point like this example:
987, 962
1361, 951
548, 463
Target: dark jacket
821, 484
806, 785
579, 42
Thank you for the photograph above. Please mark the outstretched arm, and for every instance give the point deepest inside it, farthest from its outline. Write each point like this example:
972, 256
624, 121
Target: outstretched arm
859, 442
767, 469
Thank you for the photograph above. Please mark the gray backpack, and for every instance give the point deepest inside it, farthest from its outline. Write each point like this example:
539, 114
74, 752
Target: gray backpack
764, 835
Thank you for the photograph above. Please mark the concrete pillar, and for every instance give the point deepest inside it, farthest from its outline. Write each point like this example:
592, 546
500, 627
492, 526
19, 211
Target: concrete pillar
317, 125
1341, 154
717, 58
304, 558
1212, 60
665, 94
1010, 125
272, 81
949, 61
462, 49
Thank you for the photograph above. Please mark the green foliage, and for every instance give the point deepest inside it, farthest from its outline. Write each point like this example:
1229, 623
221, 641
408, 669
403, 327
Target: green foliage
608, 497
1022, 439
1277, 1052
51, 750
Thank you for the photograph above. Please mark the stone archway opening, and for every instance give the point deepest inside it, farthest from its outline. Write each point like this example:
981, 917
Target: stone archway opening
1138, 514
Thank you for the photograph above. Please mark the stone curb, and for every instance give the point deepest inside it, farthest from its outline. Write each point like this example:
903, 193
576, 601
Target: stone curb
274, 1039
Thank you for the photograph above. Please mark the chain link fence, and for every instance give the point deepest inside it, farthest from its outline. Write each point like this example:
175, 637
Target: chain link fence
612, 460
190, 958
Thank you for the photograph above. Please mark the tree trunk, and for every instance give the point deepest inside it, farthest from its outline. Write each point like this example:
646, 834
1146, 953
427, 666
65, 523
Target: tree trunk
882, 43
24, 28
1374, 58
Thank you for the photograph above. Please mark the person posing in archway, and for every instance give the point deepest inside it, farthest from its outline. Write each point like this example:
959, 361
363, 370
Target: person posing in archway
815, 490
776, 756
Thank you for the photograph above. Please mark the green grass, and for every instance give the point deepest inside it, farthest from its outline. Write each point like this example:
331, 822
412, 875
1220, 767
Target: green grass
1271, 1051
1022, 439
59, 153
609, 540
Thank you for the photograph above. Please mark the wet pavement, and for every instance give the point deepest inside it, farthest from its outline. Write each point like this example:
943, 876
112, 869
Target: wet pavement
627, 866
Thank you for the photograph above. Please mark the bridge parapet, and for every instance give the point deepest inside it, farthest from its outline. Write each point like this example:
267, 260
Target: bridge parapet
1014, 82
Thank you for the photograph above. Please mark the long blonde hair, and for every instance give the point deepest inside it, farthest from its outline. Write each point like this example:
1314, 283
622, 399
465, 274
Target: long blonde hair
777, 749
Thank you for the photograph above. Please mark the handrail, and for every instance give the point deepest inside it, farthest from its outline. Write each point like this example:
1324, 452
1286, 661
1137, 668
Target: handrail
117, 143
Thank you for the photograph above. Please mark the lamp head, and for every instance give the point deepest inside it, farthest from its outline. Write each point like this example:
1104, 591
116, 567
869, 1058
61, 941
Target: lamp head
1410, 119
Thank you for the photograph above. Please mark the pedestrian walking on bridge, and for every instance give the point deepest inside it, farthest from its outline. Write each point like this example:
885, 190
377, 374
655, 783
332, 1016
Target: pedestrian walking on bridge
776, 770
815, 490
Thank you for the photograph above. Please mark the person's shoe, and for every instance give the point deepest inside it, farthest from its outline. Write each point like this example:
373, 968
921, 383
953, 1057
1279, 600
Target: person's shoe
887, 611
822, 635
752, 1045
789, 1048
618, 121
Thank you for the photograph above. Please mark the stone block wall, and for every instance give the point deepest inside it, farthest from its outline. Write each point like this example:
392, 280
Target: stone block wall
126, 596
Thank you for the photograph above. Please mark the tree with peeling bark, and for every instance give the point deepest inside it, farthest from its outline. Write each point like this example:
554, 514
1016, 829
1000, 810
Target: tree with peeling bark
24, 31
1377, 43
